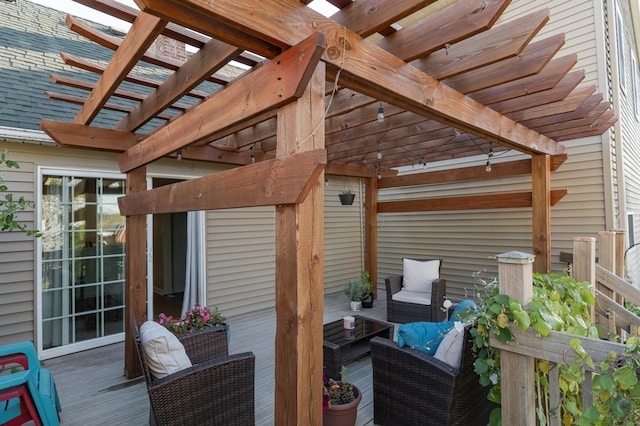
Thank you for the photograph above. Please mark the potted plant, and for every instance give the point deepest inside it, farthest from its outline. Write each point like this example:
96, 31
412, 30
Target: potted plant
365, 279
346, 197
356, 291
339, 402
197, 319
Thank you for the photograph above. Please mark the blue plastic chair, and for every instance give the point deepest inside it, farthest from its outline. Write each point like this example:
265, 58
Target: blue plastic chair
35, 387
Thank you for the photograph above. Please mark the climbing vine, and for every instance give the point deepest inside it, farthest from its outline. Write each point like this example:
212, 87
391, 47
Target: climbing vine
559, 303
9, 205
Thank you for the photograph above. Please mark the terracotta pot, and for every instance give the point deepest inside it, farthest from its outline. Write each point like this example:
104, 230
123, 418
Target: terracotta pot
344, 414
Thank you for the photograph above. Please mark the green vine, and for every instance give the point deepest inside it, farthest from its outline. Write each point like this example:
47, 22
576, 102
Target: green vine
10, 207
559, 303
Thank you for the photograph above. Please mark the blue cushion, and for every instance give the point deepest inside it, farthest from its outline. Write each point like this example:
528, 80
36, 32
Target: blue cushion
462, 311
423, 336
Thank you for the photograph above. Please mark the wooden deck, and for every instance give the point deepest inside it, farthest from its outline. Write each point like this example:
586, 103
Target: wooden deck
94, 391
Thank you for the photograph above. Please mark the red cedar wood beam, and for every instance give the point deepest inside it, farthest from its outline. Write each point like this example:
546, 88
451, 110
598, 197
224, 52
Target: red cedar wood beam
136, 42
275, 84
451, 24
198, 68
279, 181
365, 68
498, 171
472, 202
72, 135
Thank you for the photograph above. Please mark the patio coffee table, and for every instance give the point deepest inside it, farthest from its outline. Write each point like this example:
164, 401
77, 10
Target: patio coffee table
341, 346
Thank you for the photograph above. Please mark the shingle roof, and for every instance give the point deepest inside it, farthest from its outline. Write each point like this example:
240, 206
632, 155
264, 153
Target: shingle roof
31, 39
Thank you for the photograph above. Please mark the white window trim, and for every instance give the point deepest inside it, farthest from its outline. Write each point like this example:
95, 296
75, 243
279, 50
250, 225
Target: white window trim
79, 346
621, 54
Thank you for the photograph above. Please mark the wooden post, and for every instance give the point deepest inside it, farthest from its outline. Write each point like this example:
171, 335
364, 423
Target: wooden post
299, 269
541, 212
620, 242
371, 231
517, 371
584, 265
607, 259
135, 273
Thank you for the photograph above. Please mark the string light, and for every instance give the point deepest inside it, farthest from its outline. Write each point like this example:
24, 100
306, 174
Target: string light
179, 154
378, 172
379, 152
253, 155
380, 113
423, 161
489, 156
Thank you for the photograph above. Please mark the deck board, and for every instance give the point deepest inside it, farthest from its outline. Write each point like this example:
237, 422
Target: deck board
94, 391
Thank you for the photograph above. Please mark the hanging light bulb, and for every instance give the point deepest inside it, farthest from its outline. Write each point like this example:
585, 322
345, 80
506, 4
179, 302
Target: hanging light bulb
380, 113
326, 181
489, 156
253, 156
179, 154
379, 153
423, 161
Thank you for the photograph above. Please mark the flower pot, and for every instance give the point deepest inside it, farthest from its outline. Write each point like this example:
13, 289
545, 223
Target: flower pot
347, 199
367, 302
344, 414
356, 305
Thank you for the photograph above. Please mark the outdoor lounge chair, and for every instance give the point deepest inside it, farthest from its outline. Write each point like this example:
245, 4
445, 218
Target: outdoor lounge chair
218, 389
412, 306
413, 388
29, 394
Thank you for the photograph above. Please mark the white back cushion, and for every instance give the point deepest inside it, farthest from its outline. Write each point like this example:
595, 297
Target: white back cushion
450, 349
164, 352
418, 275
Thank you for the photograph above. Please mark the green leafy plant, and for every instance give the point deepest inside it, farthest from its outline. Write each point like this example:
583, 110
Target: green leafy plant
10, 207
559, 303
357, 290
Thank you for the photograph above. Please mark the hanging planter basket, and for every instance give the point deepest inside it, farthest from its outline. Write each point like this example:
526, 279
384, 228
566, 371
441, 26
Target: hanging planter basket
347, 199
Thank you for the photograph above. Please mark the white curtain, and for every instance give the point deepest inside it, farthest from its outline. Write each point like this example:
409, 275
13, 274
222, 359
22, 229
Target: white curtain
194, 276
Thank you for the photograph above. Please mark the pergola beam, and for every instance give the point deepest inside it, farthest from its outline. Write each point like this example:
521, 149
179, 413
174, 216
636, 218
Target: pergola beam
364, 68
143, 32
275, 84
273, 182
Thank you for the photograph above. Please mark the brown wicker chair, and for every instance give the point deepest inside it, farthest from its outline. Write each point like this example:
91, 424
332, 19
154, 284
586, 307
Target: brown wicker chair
413, 388
218, 389
403, 312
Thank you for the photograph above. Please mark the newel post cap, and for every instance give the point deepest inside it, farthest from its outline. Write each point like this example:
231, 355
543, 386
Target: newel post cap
516, 257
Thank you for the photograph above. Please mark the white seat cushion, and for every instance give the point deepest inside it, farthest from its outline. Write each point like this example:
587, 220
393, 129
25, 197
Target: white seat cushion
164, 352
417, 275
450, 349
412, 297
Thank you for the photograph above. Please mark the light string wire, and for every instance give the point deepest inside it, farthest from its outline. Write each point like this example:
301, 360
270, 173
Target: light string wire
333, 92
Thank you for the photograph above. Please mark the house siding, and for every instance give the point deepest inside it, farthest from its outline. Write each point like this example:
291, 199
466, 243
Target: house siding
629, 128
241, 251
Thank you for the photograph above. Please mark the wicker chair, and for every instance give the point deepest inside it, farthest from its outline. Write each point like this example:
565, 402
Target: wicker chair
217, 389
403, 312
413, 388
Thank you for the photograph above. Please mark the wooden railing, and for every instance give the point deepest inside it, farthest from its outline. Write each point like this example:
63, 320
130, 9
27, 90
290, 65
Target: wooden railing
517, 360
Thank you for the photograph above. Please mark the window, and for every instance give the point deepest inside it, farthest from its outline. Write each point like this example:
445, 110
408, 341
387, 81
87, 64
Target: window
82, 258
621, 50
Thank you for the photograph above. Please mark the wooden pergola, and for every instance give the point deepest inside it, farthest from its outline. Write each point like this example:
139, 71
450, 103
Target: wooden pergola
451, 84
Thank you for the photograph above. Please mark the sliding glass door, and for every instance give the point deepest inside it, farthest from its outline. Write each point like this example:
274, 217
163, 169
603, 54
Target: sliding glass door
82, 261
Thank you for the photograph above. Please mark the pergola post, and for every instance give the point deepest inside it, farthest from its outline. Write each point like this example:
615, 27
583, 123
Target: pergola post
299, 269
371, 231
518, 392
135, 272
541, 211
